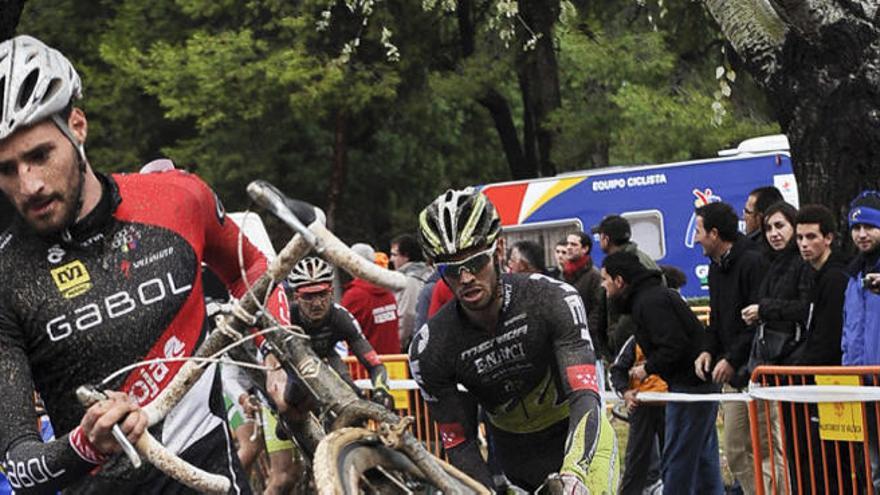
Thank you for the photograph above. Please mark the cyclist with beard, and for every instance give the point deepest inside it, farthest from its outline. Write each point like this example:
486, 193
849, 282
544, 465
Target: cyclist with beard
98, 274
327, 323
520, 346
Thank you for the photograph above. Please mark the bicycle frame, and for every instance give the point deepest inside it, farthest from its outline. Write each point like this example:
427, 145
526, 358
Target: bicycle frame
330, 392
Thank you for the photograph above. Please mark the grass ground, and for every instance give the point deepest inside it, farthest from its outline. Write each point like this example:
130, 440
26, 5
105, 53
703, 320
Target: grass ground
622, 429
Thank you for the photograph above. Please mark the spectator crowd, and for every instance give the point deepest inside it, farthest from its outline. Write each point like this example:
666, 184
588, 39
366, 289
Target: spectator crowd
781, 292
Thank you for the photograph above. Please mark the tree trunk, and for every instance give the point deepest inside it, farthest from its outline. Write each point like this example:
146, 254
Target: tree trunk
500, 111
830, 109
540, 69
340, 163
494, 101
819, 63
10, 13
530, 139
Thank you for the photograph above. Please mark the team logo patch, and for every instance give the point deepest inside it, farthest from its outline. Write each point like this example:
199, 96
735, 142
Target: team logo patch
582, 377
854, 216
127, 239
55, 255
452, 434
72, 279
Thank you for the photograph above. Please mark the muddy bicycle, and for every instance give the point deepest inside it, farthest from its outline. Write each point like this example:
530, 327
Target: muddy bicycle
346, 456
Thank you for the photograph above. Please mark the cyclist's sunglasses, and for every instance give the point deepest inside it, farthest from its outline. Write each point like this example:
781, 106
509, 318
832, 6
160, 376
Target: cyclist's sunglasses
473, 264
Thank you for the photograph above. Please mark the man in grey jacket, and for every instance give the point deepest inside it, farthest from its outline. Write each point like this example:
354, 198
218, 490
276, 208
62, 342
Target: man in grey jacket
406, 256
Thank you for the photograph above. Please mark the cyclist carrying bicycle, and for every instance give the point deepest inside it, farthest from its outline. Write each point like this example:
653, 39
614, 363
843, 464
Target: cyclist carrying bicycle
520, 347
97, 274
311, 288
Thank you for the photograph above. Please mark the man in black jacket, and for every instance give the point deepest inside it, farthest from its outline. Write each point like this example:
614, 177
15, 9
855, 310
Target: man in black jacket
615, 236
670, 335
815, 232
735, 274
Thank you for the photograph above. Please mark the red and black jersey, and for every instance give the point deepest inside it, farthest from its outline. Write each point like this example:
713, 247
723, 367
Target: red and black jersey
126, 288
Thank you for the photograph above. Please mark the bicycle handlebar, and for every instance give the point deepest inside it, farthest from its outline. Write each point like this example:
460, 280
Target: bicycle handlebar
294, 213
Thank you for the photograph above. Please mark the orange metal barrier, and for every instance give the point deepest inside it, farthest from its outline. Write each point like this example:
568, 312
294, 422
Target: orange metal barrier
826, 446
407, 402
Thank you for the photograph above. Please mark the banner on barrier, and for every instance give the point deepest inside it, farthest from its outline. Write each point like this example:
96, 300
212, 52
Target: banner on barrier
840, 420
398, 370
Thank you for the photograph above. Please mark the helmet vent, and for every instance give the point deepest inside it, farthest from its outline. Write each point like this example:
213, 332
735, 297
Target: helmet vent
2, 96
447, 224
27, 89
54, 87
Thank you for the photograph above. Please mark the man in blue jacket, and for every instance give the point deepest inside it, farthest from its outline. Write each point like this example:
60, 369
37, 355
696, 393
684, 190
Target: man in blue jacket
861, 307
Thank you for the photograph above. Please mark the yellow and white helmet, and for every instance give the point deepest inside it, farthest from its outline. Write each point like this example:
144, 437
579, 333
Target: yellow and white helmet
456, 221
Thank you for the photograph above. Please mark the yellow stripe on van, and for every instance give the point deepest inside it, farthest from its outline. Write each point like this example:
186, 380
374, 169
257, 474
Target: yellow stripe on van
559, 187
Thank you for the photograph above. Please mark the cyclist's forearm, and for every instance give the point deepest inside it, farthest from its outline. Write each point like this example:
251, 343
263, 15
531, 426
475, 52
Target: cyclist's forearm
35, 467
583, 431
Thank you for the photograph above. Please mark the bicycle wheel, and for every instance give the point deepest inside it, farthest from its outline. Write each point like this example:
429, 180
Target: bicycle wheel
352, 461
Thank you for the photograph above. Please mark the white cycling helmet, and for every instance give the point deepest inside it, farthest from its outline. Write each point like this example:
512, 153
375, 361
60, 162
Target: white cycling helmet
36, 82
310, 271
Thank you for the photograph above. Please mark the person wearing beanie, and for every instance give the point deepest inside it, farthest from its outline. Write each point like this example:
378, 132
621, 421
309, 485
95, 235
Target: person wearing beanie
861, 307
374, 308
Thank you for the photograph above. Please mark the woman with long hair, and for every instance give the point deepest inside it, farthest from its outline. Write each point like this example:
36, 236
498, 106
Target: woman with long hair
783, 310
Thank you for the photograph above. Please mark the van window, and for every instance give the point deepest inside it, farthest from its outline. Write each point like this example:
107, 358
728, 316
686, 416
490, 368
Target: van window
647, 231
547, 234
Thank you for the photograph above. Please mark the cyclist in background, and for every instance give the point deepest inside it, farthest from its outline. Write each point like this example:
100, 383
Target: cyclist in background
311, 288
520, 346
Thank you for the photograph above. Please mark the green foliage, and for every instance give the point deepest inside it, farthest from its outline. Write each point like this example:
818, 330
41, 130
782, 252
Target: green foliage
636, 92
262, 89
677, 127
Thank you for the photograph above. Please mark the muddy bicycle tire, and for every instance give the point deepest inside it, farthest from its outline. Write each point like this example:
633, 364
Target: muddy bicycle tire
346, 463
